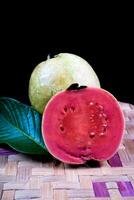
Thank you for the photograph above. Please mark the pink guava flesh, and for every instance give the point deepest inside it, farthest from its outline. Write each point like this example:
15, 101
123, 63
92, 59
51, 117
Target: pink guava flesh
79, 125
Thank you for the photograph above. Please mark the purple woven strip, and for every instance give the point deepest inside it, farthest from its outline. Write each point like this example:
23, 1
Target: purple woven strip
100, 189
4, 151
126, 188
115, 161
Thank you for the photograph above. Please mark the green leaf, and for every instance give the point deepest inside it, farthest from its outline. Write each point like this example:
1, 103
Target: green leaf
20, 127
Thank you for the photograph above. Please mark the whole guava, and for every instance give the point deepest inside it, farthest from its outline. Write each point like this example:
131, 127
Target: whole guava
57, 74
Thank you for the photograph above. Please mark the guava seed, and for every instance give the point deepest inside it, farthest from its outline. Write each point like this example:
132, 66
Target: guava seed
91, 103
61, 127
65, 109
101, 134
100, 115
72, 108
104, 125
92, 134
100, 107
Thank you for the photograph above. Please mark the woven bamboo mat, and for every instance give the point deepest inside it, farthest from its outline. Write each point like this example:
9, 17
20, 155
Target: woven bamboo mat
34, 177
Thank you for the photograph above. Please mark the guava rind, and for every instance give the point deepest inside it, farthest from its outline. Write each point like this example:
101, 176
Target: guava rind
56, 75
74, 146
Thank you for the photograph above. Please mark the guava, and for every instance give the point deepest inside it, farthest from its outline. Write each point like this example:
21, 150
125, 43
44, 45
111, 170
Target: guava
56, 74
82, 123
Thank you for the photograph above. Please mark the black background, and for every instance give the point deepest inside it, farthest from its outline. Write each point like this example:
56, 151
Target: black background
104, 39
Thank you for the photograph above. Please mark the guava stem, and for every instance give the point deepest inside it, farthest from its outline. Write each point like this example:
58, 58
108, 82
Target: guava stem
48, 56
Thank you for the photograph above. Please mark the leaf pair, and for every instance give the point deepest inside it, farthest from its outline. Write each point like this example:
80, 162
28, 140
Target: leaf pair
20, 127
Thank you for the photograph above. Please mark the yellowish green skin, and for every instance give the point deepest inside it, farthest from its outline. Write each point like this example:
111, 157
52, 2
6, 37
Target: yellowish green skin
57, 74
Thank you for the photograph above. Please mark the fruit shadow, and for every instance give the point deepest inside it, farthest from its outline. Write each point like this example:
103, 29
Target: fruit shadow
88, 164
57, 163
50, 159
46, 158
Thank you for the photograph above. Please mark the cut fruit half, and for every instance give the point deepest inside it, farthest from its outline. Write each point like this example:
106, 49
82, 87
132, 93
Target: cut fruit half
82, 123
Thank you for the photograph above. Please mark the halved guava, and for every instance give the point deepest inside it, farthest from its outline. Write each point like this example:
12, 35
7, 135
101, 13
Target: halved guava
56, 74
83, 123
